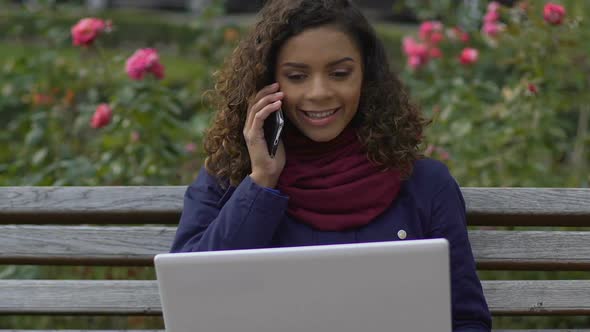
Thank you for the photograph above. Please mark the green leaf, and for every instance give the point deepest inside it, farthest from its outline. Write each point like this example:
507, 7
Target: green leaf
39, 156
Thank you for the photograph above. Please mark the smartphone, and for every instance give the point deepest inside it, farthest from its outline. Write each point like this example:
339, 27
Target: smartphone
273, 127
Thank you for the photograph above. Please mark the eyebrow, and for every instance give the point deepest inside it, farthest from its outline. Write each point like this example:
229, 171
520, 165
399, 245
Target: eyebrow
331, 64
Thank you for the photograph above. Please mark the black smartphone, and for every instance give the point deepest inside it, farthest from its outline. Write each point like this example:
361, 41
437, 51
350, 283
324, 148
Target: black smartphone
273, 127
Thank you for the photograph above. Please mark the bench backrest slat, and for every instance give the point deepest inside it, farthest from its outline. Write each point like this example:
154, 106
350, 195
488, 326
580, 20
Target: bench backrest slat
534, 297
162, 205
84, 245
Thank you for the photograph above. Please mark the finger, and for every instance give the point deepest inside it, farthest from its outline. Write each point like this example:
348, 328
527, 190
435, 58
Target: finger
267, 90
263, 102
259, 118
255, 133
263, 92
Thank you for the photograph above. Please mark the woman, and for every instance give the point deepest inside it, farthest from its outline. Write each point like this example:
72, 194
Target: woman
348, 167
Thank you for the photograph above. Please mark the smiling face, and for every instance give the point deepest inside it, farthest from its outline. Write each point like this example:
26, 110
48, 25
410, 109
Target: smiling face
320, 72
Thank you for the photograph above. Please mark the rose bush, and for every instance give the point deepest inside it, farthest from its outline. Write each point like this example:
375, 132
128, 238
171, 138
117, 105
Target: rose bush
518, 114
506, 92
112, 116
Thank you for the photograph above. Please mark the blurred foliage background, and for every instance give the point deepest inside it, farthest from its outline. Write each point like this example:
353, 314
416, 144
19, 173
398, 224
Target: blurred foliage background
516, 115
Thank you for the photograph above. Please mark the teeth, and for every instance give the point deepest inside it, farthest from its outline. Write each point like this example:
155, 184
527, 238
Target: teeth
319, 115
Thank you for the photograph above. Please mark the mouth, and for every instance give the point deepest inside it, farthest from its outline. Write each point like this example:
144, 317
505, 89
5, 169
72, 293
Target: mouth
320, 118
320, 114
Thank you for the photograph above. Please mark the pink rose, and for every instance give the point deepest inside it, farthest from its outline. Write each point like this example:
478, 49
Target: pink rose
493, 6
431, 31
417, 53
533, 88
41, 99
469, 56
145, 60
102, 116
491, 29
553, 13
411, 47
135, 136
436, 37
86, 30
491, 17
443, 154
435, 53
190, 147
460, 34
416, 62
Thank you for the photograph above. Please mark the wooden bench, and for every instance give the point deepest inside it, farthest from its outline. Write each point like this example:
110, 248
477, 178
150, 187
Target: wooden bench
127, 226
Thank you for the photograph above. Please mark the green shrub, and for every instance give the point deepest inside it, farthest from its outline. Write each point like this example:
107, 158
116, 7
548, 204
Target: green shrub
519, 115
133, 28
154, 136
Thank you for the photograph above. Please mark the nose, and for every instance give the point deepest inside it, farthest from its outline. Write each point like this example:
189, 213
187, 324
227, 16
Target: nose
319, 89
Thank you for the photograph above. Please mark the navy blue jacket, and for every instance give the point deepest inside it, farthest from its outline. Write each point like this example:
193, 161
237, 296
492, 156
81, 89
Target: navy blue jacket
429, 205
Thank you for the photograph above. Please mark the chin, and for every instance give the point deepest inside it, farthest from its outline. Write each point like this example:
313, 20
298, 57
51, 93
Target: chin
321, 137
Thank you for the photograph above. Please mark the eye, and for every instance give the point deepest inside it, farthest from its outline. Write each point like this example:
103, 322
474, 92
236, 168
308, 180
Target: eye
341, 73
296, 77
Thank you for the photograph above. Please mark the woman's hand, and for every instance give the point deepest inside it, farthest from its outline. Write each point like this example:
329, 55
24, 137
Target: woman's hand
265, 170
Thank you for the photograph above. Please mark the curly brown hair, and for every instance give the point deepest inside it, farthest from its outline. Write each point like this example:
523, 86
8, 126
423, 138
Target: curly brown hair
388, 124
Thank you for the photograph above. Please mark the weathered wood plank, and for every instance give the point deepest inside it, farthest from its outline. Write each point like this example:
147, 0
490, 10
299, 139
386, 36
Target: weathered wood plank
126, 297
85, 245
162, 204
100, 205
531, 250
140, 297
538, 297
528, 206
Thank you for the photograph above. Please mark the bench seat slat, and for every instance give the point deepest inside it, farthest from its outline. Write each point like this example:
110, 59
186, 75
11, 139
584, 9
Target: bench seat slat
163, 204
84, 245
125, 297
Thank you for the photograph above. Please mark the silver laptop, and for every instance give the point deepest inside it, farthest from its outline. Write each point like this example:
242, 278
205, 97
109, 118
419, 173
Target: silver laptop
369, 287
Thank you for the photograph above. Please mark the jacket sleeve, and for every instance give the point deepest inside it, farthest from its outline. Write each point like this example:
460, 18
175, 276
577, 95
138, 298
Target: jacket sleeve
469, 308
213, 218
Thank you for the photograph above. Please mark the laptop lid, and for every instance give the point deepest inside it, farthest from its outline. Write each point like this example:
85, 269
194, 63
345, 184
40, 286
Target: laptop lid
368, 287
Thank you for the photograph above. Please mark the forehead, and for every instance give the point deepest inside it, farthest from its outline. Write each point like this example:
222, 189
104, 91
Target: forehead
318, 46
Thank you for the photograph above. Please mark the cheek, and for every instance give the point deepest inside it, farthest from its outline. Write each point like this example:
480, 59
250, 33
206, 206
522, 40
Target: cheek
292, 95
352, 93
289, 103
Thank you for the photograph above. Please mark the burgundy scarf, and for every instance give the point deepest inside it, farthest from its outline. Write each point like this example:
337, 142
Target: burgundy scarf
332, 185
